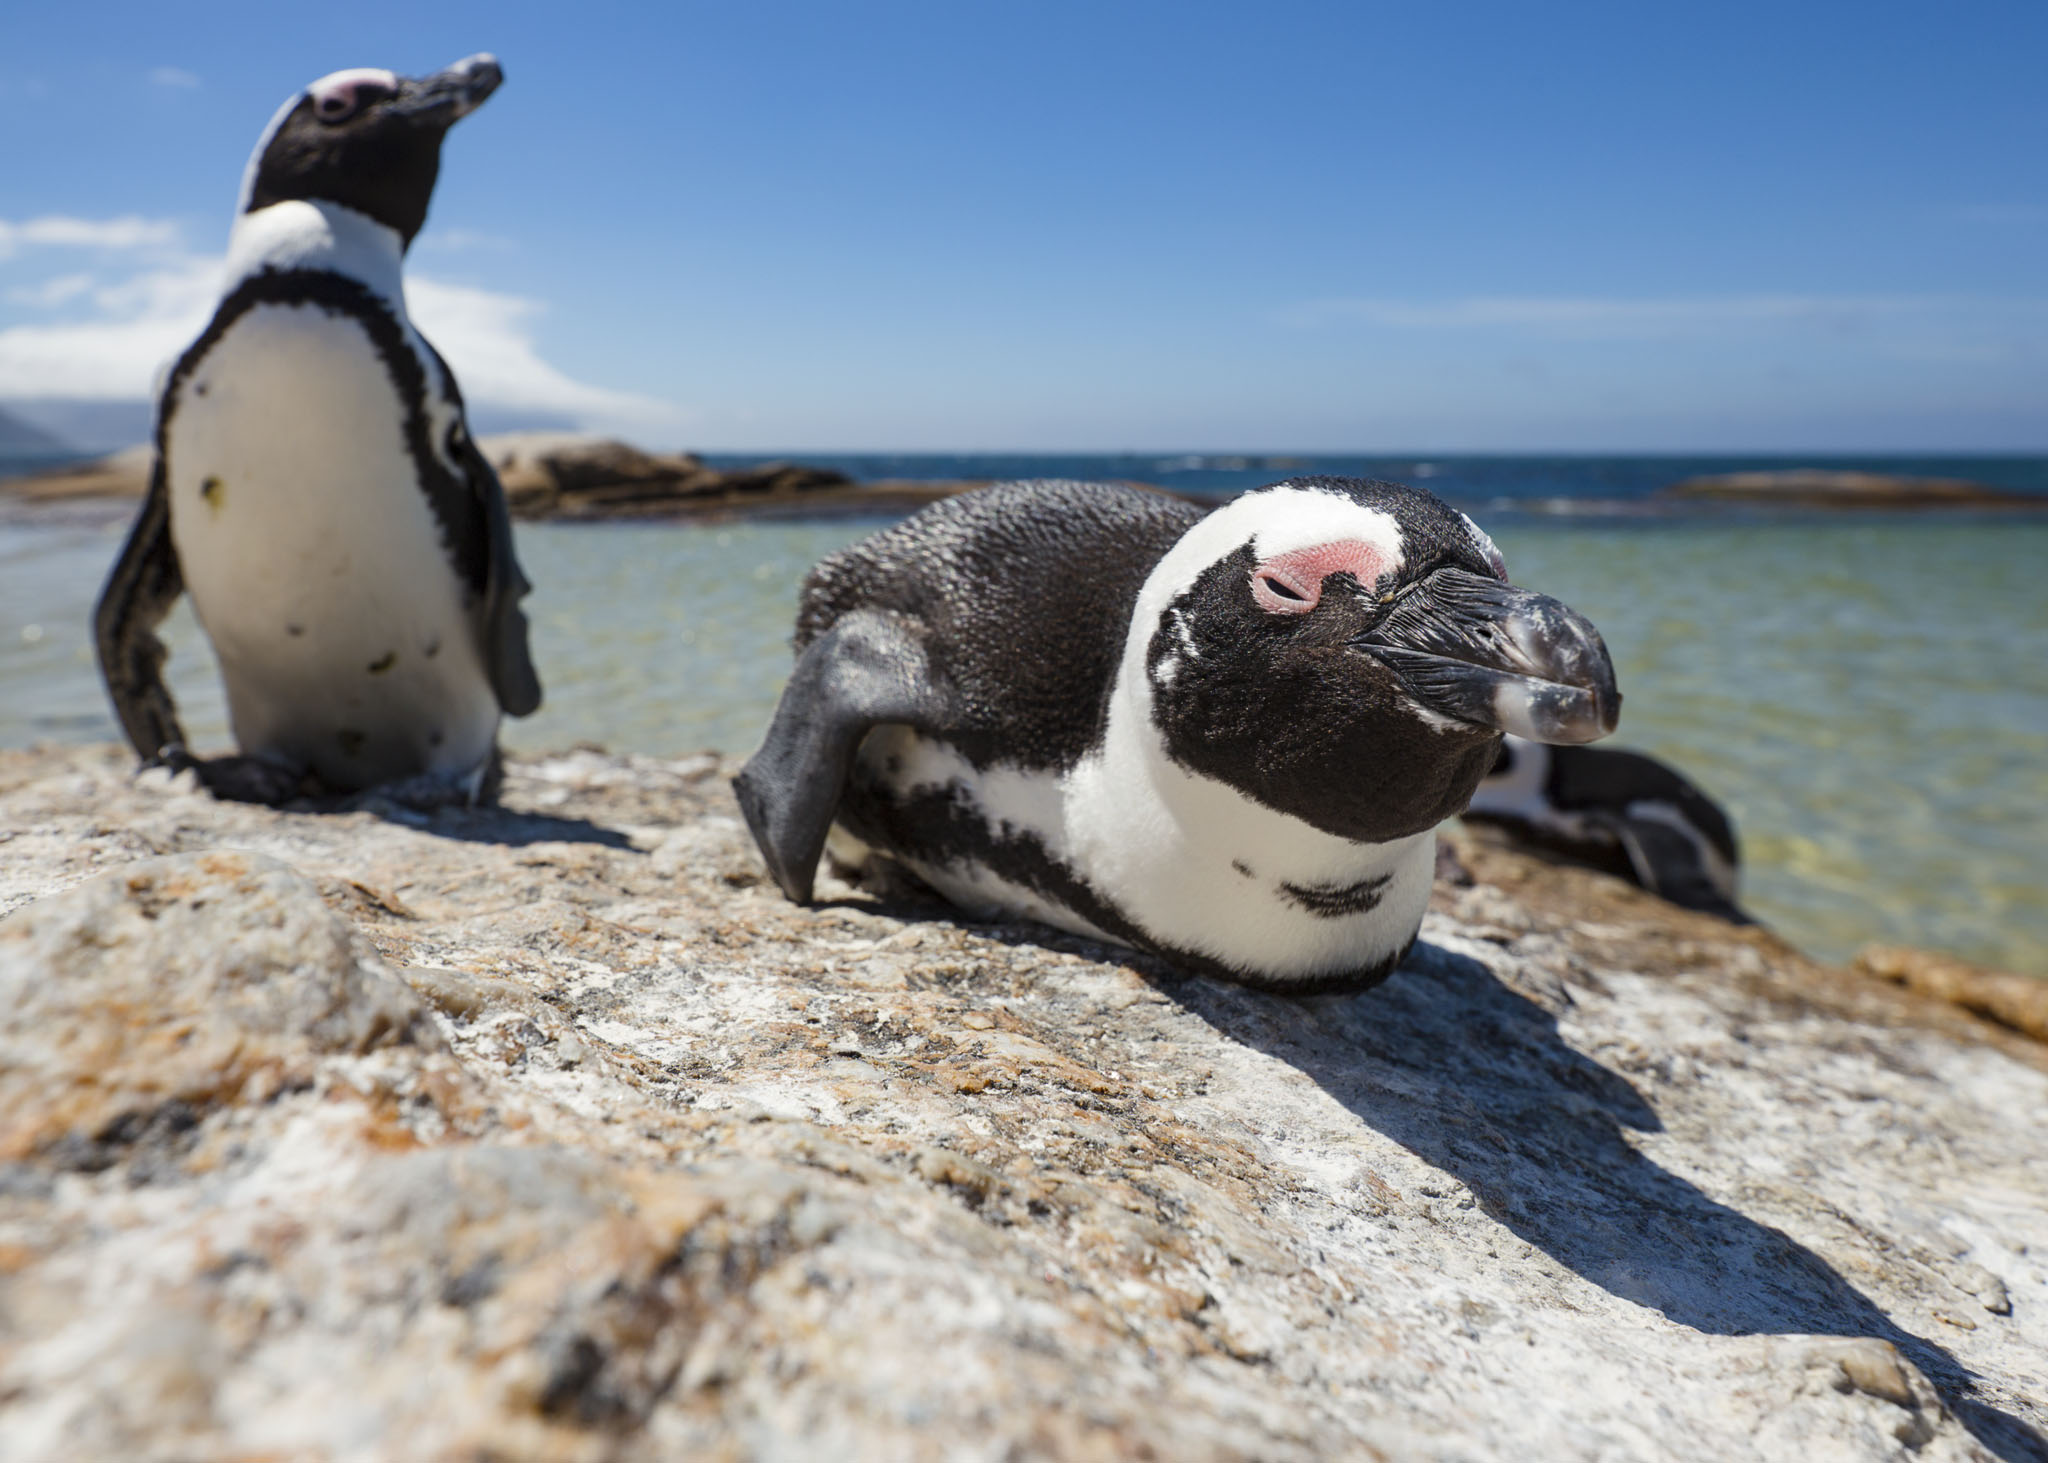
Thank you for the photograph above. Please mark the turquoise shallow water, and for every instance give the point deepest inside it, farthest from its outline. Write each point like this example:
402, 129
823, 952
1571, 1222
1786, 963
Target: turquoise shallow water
1869, 696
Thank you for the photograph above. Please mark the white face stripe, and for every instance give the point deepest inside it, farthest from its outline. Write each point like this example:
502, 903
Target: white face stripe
262, 146
1274, 521
349, 76
334, 95
1286, 519
352, 76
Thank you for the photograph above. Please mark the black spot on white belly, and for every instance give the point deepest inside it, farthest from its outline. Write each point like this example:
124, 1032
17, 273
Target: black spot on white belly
1243, 868
214, 491
1334, 901
295, 630
383, 662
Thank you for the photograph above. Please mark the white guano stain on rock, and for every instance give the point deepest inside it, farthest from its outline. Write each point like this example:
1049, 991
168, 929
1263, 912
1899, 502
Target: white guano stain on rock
554, 1132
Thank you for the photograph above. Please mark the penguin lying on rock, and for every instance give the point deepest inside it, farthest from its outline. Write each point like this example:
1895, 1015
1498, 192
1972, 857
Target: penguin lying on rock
1618, 810
1225, 737
316, 491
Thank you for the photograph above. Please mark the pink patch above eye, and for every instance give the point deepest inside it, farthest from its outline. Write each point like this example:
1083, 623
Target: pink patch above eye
1292, 583
340, 94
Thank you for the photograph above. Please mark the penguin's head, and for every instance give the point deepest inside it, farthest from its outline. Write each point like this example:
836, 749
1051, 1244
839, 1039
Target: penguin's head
1350, 652
367, 139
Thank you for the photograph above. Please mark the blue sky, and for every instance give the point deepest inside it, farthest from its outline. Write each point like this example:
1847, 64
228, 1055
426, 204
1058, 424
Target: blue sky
1115, 226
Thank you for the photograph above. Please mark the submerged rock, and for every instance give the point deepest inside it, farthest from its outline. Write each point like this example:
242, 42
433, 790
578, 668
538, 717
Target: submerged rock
553, 1131
1807, 487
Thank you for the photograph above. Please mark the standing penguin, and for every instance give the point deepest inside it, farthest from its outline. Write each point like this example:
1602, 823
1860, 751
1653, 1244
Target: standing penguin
346, 546
1619, 810
1226, 737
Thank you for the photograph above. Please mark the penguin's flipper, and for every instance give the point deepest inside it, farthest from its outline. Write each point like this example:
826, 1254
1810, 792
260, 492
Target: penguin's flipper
868, 670
506, 655
140, 590
1674, 867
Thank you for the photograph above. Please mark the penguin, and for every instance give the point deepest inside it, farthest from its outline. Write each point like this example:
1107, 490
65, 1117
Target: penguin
316, 491
1223, 737
1622, 811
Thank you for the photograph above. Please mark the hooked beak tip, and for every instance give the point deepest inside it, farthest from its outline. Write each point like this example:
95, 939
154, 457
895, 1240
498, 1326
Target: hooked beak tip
1505, 658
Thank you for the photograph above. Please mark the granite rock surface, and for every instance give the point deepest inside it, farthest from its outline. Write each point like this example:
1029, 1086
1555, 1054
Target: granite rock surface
553, 1131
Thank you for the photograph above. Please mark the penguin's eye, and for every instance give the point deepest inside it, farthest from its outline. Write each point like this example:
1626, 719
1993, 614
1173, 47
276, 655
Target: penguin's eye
1291, 583
345, 94
1280, 593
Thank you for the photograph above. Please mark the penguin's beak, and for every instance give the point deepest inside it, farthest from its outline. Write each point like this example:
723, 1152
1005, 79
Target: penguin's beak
449, 96
1485, 652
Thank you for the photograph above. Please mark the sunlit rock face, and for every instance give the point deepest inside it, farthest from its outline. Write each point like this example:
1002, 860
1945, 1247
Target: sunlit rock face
553, 1131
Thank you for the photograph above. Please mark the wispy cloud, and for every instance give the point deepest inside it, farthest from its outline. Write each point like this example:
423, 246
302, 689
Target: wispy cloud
488, 341
123, 326
1597, 318
56, 231
175, 77
51, 292
460, 241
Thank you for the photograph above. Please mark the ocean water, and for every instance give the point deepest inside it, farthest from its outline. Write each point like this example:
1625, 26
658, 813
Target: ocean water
1868, 694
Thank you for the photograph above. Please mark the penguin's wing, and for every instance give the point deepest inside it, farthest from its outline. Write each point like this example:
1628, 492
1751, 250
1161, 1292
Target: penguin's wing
868, 670
507, 658
506, 653
140, 590
1673, 866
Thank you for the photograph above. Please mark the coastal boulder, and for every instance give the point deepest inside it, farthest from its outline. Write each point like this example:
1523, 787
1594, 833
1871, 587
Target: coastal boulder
551, 1130
133, 1004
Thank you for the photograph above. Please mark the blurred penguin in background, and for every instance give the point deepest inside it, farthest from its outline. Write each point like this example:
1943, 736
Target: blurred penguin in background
316, 491
1618, 810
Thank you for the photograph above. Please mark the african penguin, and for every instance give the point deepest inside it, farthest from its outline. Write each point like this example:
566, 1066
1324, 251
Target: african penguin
1224, 736
316, 492
1619, 810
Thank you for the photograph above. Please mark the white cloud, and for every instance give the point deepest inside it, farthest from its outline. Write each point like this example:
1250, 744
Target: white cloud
141, 323
134, 325
51, 292
487, 341
176, 77
55, 231
457, 241
1585, 317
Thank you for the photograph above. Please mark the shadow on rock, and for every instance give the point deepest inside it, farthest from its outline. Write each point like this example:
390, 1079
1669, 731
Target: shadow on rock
1475, 1080
503, 826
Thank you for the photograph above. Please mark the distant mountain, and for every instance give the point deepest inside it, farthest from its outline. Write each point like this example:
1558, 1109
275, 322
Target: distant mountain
20, 438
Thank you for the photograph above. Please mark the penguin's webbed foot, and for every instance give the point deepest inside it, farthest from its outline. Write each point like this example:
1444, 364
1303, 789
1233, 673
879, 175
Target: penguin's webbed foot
429, 792
242, 779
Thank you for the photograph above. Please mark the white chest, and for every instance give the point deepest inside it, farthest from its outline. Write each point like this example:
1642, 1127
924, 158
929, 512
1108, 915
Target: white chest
1231, 878
1193, 863
313, 558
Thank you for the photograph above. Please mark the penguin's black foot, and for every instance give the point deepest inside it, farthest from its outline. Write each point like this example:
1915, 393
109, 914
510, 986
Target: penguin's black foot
241, 779
431, 791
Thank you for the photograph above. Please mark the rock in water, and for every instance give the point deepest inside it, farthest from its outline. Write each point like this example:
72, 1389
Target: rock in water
551, 1131
1807, 487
